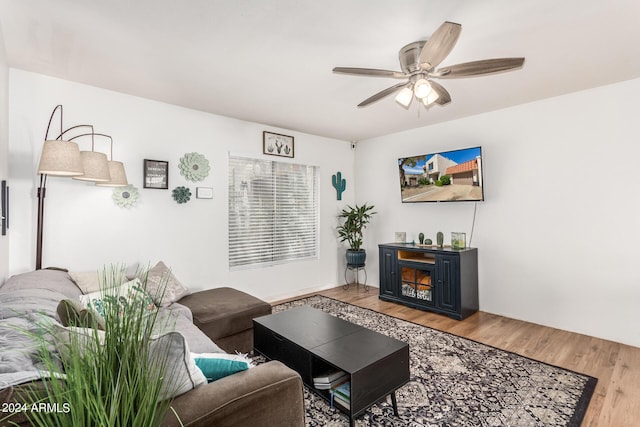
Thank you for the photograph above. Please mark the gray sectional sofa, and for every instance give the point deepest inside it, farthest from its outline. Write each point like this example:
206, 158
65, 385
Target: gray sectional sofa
267, 394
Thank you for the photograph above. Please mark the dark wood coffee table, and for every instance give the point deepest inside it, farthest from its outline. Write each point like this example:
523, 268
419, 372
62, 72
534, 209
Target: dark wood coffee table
312, 342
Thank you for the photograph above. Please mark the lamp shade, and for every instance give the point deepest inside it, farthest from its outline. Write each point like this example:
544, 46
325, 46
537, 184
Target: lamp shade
404, 97
96, 167
60, 158
118, 175
422, 88
430, 99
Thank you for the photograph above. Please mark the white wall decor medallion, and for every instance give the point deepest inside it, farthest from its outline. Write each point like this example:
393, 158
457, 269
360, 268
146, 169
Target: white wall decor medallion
125, 197
194, 167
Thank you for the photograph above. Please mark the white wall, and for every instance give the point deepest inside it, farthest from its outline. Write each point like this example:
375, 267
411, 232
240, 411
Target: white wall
4, 148
558, 231
84, 229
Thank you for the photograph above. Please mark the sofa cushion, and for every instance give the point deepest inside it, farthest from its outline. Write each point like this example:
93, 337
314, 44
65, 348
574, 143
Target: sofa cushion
219, 365
50, 280
170, 319
222, 312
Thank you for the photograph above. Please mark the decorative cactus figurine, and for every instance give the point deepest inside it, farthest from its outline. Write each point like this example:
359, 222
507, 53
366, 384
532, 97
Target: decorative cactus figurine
421, 238
428, 242
339, 184
440, 238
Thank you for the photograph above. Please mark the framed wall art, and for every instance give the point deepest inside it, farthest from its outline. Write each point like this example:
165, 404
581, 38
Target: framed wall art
156, 174
276, 144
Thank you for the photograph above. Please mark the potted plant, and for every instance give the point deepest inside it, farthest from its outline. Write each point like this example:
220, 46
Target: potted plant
355, 220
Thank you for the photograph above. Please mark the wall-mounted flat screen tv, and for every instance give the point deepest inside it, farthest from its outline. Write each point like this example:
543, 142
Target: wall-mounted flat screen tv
450, 176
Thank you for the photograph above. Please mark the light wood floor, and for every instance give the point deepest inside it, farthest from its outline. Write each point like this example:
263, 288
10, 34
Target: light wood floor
616, 401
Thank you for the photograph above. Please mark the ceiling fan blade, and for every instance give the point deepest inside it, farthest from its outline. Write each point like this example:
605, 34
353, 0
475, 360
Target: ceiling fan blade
382, 94
373, 72
443, 95
439, 45
478, 68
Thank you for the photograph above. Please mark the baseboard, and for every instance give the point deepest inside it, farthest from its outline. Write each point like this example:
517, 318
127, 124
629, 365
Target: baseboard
302, 293
299, 293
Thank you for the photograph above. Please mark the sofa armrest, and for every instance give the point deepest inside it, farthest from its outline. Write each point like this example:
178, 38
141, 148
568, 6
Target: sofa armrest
268, 394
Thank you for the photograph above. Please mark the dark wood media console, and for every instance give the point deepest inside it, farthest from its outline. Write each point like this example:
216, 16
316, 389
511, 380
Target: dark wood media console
442, 280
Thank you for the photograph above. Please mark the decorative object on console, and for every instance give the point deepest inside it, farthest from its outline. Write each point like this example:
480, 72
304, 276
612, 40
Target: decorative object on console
181, 194
421, 238
458, 240
428, 242
401, 236
194, 167
125, 197
63, 158
276, 144
204, 193
355, 219
156, 174
440, 239
339, 183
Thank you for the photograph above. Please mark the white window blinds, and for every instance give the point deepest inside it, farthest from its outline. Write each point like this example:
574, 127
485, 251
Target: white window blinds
273, 212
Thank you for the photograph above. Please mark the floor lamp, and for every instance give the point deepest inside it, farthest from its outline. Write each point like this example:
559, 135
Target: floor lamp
63, 158
58, 158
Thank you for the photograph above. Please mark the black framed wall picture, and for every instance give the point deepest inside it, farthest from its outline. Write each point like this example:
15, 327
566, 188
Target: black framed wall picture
276, 144
156, 174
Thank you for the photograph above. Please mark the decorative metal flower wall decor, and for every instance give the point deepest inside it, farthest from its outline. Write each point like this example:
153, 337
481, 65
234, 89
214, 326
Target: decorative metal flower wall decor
194, 167
181, 194
125, 197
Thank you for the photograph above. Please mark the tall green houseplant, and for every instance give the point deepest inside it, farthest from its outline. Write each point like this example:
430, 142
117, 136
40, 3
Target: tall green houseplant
353, 221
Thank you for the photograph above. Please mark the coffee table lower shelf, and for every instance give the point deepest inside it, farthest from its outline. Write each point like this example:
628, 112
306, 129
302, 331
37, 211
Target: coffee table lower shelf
313, 342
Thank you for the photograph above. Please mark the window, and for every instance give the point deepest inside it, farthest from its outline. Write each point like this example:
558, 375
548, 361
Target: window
273, 212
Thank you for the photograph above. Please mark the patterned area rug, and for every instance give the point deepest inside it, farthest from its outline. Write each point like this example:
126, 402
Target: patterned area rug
457, 382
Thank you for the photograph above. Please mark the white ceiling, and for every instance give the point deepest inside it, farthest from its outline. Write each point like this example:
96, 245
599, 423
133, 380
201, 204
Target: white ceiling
270, 61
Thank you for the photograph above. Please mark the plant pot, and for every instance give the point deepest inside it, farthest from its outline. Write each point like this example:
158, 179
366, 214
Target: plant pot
356, 258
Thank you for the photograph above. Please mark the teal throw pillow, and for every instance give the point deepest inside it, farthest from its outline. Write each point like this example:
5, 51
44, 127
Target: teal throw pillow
219, 365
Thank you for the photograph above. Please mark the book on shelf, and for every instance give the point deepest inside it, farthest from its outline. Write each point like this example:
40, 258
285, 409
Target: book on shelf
329, 380
341, 394
336, 398
343, 390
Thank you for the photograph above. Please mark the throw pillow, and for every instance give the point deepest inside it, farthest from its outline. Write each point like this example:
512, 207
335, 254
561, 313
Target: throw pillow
181, 373
130, 293
85, 339
219, 365
163, 286
87, 281
73, 313
169, 352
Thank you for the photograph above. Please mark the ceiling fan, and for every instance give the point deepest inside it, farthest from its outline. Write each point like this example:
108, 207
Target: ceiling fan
418, 61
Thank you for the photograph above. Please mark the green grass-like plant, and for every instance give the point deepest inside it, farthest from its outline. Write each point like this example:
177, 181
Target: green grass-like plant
110, 378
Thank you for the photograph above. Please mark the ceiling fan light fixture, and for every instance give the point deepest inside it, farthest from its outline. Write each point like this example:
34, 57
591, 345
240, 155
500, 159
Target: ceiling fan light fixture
422, 88
430, 99
404, 97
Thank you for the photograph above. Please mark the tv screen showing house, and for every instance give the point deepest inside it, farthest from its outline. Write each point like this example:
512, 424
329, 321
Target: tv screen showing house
450, 176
